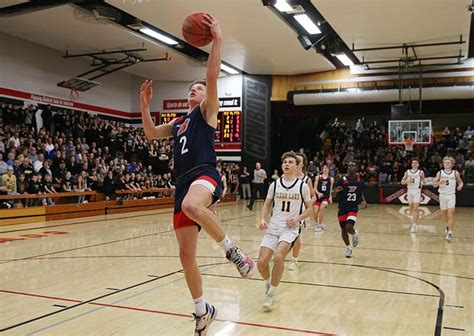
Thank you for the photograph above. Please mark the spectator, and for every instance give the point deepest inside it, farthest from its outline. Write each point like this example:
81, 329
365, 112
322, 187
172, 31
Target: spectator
275, 175
258, 184
3, 165
245, 183
9, 181
21, 184
67, 183
48, 188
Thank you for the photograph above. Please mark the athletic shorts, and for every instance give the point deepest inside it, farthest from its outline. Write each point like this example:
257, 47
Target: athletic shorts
208, 178
447, 201
347, 214
271, 240
322, 201
414, 196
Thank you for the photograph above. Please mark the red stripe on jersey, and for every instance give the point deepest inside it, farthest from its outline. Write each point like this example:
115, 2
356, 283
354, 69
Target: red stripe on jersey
208, 179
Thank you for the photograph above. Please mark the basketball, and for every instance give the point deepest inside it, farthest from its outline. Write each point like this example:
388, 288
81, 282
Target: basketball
195, 32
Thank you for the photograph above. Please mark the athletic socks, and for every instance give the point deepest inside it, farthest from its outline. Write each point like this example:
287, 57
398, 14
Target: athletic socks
268, 281
272, 290
226, 243
200, 306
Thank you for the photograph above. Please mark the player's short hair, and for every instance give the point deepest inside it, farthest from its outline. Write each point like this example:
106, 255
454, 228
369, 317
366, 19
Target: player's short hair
450, 158
305, 159
290, 154
197, 81
415, 159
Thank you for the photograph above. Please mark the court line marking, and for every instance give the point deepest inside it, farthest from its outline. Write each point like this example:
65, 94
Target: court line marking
175, 256
438, 319
87, 246
328, 286
452, 328
305, 331
359, 248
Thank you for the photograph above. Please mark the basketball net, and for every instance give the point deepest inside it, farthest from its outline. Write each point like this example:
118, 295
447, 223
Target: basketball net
74, 93
408, 145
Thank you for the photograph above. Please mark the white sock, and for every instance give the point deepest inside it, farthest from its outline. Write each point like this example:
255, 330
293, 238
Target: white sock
272, 290
226, 243
294, 258
200, 306
268, 281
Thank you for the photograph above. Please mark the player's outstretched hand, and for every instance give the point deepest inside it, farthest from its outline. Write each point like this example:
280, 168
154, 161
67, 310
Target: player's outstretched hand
263, 225
211, 22
146, 93
292, 222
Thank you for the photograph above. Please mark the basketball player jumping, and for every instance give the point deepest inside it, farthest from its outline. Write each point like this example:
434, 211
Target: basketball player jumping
414, 178
446, 180
324, 184
300, 173
286, 198
351, 188
197, 181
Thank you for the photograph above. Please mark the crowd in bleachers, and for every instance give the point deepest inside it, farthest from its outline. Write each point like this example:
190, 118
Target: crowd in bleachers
366, 144
75, 151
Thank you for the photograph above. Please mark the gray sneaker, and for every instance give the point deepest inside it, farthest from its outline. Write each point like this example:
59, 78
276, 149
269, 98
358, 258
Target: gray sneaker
203, 322
449, 236
269, 302
355, 239
348, 252
244, 263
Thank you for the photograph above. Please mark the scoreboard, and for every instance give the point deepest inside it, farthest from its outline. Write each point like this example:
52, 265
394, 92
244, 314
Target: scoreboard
228, 125
166, 117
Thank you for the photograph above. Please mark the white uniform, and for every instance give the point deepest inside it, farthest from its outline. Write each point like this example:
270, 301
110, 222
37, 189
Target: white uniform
447, 190
414, 186
288, 202
305, 179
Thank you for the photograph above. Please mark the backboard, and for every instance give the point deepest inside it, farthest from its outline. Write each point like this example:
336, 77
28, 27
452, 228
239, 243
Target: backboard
419, 131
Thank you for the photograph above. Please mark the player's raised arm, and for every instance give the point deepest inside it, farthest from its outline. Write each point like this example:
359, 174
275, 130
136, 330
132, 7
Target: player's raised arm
210, 105
152, 131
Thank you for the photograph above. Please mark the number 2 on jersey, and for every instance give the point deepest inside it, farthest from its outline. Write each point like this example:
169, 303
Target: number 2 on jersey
351, 197
287, 206
183, 140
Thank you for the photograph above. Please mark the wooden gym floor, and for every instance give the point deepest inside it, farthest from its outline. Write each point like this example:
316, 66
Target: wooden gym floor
120, 275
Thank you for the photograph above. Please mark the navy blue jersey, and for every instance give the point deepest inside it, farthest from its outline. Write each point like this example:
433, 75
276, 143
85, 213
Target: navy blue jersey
324, 186
193, 142
351, 194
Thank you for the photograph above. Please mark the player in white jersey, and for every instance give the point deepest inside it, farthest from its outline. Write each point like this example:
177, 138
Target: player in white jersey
414, 179
286, 199
300, 169
446, 180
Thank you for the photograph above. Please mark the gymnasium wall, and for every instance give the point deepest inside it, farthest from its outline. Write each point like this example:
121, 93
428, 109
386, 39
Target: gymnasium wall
31, 68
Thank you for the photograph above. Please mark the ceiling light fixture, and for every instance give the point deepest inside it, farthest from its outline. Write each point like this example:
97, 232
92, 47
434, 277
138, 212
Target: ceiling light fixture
158, 36
307, 24
283, 6
344, 59
228, 69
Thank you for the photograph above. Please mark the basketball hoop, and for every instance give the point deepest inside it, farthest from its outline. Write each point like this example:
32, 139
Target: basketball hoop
74, 93
408, 145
